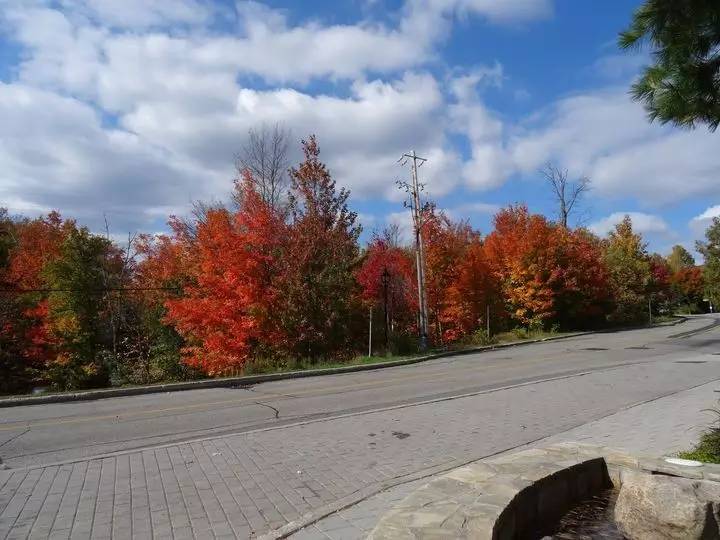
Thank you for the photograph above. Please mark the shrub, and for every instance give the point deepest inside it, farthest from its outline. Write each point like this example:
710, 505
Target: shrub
520, 332
708, 449
403, 344
481, 337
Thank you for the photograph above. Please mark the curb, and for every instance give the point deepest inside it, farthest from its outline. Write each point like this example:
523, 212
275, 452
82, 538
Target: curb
247, 380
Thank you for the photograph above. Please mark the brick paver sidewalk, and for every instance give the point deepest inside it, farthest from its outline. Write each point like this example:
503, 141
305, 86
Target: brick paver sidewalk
659, 428
242, 485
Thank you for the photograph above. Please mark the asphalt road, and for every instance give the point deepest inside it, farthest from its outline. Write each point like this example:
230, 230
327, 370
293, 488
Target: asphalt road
43, 434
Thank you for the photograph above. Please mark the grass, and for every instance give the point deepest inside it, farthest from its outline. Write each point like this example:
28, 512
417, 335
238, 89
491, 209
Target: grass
660, 319
261, 367
700, 455
708, 449
265, 366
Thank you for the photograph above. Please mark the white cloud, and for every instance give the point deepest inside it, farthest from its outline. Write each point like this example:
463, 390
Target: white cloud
72, 44
424, 12
699, 224
489, 164
166, 108
114, 98
404, 223
607, 137
139, 13
642, 223
476, 208
713, 211
56, 154
620, 66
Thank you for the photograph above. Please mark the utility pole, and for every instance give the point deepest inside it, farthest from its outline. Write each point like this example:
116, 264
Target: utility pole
417, 210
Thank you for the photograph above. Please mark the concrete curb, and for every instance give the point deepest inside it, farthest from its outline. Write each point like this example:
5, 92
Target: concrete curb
247, 380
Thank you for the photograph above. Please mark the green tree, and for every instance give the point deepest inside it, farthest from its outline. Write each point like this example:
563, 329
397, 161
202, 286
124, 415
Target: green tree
628, 265
682, 86
710, 250
78, 280
317, 282
680, 258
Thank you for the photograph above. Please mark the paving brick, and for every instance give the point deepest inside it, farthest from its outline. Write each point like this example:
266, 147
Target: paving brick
248, 483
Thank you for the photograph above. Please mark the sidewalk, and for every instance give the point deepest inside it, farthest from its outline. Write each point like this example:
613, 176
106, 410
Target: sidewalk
658, 428
245, 485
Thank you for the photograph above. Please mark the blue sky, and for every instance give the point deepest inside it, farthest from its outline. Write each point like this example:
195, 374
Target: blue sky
132, 109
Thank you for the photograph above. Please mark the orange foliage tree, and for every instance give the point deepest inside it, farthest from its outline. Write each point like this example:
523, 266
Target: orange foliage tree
447, 275
472, 295
228, 310
37, 243
548, 274
688, 284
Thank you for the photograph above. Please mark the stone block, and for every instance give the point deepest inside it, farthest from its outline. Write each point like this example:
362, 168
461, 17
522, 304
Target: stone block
661, 466
658, 507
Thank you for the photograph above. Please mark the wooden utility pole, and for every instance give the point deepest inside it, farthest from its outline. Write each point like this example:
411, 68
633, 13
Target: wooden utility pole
416, 208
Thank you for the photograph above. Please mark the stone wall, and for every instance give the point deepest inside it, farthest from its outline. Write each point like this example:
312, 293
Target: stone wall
510, 495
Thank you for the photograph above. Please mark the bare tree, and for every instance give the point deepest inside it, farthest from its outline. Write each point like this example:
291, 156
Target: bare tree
198, 216
567, 194
391, 235
265, 155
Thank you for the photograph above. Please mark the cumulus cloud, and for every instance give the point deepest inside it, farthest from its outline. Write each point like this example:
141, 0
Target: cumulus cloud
55, 153
607, 137
489, 164
642, 223
136, 108
106, 107
476, 208
699, 224
139, 13
712, 212
404, 222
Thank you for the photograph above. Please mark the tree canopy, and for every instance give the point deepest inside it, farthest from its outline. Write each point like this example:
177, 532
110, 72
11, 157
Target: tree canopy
682, 86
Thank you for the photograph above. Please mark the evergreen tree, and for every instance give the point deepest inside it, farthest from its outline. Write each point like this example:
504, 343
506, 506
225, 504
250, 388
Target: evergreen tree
683, 84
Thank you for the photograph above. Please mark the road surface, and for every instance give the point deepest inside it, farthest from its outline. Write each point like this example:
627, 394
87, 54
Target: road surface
40, 434
238, 463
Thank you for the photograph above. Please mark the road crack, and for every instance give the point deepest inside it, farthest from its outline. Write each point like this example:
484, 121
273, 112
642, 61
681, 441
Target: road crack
277, 412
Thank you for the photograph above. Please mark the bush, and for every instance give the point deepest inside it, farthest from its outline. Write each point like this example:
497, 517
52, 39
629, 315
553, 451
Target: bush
403, 344
482, 338
708, 449
536, 326
520, 333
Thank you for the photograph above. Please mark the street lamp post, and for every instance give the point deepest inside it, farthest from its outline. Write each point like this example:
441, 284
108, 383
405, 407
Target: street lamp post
385, 278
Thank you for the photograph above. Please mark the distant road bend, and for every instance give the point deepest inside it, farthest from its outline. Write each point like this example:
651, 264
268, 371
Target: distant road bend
42, 434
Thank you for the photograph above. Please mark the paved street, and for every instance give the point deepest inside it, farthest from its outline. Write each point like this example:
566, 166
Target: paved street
240, 462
